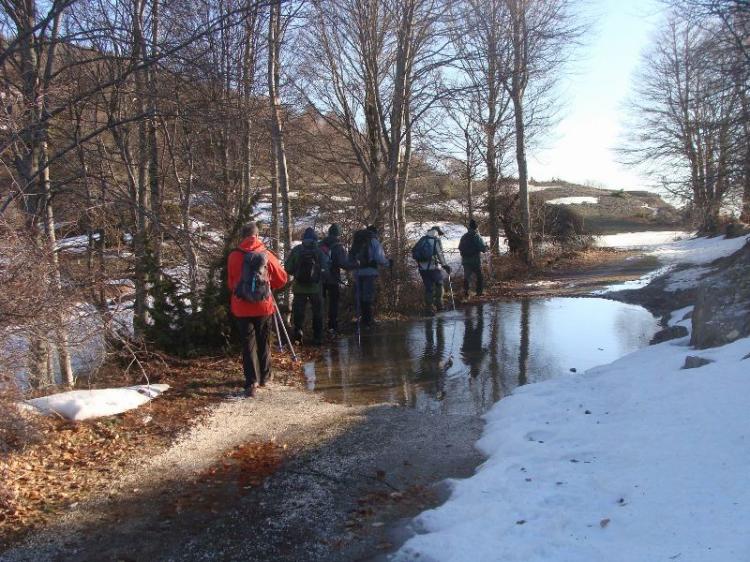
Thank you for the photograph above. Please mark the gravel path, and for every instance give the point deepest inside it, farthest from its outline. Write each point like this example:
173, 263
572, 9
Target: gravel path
305, 511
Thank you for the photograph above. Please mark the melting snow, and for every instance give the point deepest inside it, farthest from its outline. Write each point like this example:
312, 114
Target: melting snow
637, 460
574, 201
86, 404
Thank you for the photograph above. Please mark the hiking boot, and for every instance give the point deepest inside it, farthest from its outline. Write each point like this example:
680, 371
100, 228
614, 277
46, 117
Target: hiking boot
265, 381
249, 392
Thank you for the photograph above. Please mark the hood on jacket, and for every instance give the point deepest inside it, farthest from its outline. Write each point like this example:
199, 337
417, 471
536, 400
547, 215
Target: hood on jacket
252, 244
309, 235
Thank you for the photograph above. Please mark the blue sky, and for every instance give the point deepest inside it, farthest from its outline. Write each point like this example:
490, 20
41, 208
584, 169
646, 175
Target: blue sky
581, 147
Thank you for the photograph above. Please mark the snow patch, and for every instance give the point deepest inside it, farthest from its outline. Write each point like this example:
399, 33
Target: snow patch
573, 201
637, 460
80, 405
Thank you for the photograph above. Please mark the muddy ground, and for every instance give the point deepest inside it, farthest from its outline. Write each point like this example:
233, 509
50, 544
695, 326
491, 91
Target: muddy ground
317, 481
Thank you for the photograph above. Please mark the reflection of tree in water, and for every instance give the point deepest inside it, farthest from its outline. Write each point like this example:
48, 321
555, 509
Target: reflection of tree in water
472, 351
523, 355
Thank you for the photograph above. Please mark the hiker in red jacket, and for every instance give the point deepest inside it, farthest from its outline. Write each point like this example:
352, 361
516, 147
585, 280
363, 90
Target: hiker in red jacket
252, 303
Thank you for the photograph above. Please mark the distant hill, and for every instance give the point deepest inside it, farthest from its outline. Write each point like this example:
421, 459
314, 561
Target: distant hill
606, 211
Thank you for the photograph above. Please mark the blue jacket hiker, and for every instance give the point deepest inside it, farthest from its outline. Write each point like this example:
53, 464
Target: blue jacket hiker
365, 255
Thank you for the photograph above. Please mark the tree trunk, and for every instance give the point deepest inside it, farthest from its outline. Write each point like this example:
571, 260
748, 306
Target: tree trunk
523, 182
469, 177
277, 132
61, 331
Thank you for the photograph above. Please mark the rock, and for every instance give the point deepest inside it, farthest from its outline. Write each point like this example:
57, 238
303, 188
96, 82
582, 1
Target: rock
669, 333
688, 315
746, 357
736, 229
722, 308
693, 362
573, 370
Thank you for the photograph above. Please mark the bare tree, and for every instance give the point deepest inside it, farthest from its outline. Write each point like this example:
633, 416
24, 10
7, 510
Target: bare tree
684, 119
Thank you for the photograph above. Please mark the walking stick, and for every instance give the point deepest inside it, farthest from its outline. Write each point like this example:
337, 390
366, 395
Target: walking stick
450, 284
280, 320
278, 330
357, 309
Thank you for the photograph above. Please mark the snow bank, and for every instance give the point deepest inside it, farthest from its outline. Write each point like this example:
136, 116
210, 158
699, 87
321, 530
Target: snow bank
635, 240
86, 404
574, 201
638, 460
76, 244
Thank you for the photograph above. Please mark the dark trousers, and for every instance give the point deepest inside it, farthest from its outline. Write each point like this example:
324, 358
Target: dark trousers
433, 286
332, 293
473, 271
365, 290
255, 332
298, 312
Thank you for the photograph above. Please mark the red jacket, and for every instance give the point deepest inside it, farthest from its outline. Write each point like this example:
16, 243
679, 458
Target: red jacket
276, 276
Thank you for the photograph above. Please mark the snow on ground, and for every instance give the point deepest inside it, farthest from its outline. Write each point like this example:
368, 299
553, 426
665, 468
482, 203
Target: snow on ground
574, 201
87, 404
76, 244
698, 251
634, 461
636, 240
694, 252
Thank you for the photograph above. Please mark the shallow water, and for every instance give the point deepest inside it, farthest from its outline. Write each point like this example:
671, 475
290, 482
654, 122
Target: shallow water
465, 361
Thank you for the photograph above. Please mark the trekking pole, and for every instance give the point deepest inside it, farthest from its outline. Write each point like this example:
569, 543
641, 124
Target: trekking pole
278, 331
283, 327
357, 309
450, 284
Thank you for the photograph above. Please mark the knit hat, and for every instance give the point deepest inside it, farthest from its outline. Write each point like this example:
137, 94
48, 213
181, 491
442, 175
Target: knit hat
372, 228
309, 234
438, 230
334, 230
472, 224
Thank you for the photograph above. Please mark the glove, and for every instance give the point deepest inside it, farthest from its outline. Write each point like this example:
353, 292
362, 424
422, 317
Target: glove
447, 269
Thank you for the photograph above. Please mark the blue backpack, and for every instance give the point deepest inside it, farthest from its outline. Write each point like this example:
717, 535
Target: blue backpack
424, 250
254, 285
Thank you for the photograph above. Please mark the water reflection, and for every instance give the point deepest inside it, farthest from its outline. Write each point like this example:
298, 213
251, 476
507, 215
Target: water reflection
465, 361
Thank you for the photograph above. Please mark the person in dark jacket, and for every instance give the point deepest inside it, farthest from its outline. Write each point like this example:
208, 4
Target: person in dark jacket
431, 269
254, 318
365, 258
471, 248
309, 265
332, 246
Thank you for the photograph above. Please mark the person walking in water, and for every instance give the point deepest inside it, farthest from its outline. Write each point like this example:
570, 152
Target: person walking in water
365, 255
428, 253
334, 249
253, 272
309, 265
471, 247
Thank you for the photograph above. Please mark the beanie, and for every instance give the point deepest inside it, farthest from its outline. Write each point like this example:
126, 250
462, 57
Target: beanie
334, 230
472, 224
309, 234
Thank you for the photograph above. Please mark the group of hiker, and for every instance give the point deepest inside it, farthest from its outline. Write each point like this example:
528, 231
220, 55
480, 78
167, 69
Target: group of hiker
319, 269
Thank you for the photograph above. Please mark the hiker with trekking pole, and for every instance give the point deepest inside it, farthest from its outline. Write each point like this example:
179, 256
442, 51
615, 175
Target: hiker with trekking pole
428, 253
253, 273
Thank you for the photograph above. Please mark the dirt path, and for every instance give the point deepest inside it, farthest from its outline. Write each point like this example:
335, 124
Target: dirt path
583, 274
350, 472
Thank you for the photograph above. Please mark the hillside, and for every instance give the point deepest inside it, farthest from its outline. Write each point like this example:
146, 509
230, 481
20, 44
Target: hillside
606, 211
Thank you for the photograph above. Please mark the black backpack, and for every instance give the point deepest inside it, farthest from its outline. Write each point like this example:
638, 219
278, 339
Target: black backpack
308, 265
254, 285
360, 249
469, 246
424, 249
